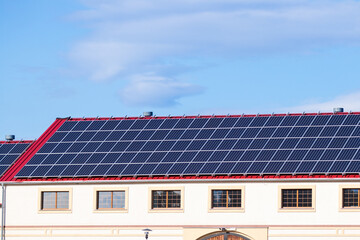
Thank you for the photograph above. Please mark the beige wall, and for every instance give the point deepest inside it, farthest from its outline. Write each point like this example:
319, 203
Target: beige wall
261, 211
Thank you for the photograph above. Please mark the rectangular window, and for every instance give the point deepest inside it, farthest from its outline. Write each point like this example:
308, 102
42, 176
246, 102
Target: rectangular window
166, 199
351, 197
296, 198
55, 200
226, 198
110, 200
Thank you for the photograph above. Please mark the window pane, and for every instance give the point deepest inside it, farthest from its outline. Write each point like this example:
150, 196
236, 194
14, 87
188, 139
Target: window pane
48, 200
63, 200
166, 199
119, 199
226, 199
350, 197
296, 198
104, 199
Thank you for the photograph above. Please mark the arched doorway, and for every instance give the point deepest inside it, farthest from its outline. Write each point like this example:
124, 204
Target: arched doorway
224, 236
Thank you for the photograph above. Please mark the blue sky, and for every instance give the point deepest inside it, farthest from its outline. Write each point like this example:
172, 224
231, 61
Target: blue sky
115, 58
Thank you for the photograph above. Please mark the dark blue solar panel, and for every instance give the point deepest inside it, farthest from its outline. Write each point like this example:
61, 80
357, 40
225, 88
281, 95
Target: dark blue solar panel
162, 169
336, 119
305, 120
306, 167
198, 123
243, 122
139, 124
337, 142
266, 132
330, 154
241, 167
184, 123
154, 124
81, 126
273, 143
67, 126
146, 169
305, 143
320, 120
322, 166
225, 167
178, 168
273, 167
289, 120
220, 133
168, 123
180, 145
194, 146
258, 144
228, 122
339, 166
289, 167
345, 131
281, 155
265, 155
213, 123
352, 120
226, 144
72, 136
193, 168
211, 144
329, 131
354, 167
209, 168
297, 132
165, 145
257, 167
110, 125
235, 133
250, 132
174, 134
289, 143
124, 124
312, 132
258, 122
242, 143
95, 125
274, 121
115, 136
189, 134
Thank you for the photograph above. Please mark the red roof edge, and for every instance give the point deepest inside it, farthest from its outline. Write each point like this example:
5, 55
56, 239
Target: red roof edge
30, 152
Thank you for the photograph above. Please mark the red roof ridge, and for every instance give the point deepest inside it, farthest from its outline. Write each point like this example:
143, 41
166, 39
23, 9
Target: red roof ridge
209, 116
30, 152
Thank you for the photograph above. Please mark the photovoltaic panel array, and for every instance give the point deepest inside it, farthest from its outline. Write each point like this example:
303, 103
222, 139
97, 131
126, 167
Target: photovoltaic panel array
9, 152
304, 144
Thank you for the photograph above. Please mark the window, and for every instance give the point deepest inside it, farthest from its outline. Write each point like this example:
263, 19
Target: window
296, 198
166, 199
351, 197
226, 198
55, 200
110, 200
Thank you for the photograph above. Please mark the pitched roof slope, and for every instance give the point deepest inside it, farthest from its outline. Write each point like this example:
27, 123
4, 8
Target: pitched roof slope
282, 144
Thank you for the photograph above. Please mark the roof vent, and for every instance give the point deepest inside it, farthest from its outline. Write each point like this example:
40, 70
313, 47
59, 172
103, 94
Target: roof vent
9, 137
148, 114
338, 110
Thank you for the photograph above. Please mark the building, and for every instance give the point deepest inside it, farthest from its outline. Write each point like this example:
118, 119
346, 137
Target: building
252, 177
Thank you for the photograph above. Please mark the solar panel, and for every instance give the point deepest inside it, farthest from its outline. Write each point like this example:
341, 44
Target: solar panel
9, 153
304, 144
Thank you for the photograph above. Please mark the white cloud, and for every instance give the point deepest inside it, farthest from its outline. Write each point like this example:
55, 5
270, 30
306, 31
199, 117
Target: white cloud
350, 102
150, 90
137, 36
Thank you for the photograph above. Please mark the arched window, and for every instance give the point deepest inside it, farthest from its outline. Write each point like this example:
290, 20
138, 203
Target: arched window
224, 236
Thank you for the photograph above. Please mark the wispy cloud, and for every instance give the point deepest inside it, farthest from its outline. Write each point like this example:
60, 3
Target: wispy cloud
350, 102
137, 36
153, 90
